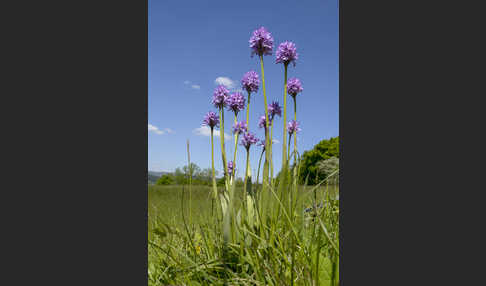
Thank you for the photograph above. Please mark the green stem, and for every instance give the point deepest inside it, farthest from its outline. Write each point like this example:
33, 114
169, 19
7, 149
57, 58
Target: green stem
234, 156
246, 170
215, 188
295, 135
248, 112
267, 139
288, 151
259, 163
221, 136
248, 127
271, 155
284, 158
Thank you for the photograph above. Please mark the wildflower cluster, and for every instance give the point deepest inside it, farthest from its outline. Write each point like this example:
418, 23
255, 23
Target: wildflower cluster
294, 86
220, 97
261, 42
250, 82
211, 120
286, 53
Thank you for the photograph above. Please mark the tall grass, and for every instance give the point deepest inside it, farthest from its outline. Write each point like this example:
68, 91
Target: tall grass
301, 243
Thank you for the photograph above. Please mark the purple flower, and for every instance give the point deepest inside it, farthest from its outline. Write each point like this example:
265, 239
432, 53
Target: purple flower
250, 81
261, 42
286, 53
240, 127
262, 122
293, 127
294, 86
236, 102
211, 120
220, 96
274, 109
231, 166
248, 140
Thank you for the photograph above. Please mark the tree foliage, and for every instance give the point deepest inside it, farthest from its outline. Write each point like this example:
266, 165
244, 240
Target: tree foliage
329, 169
324, 150
181, 175
165, 180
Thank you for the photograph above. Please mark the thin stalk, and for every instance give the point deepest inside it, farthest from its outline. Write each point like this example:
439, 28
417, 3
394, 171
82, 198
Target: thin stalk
284, 159
248, 112
259, 163
284, 170
246, 170
215, 189
221, 136
190, 182
295, 137
318, 250
267, 139
271, 155
288, 151
234, 156
248, 125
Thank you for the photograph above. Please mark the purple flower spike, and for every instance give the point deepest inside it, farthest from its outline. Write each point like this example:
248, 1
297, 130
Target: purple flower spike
262, 122
240, 127
220, 96
248, 140
293, 127
211, 120
231, 166
261, 42
294, 86
286, 53
250, 82
274, 109
236, 102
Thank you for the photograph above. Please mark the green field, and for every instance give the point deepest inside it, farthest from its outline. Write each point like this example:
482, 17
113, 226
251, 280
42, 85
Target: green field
165, 203
185, 240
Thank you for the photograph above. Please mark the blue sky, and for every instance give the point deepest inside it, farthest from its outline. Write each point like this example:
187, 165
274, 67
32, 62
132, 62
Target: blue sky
193, 43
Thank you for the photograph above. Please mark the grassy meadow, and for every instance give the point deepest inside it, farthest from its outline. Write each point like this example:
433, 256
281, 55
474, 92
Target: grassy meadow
165, 203
186, 244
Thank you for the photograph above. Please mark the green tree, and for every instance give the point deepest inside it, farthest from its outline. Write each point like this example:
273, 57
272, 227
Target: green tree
206, 175
329, 167
165, 180
324, 150
179, 177
192, 170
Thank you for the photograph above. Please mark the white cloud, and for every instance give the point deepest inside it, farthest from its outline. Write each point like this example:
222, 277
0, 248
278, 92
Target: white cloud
193, 86
275, 141
206, 131
226, 81
155, 129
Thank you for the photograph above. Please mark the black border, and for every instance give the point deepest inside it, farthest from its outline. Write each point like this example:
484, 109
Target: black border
77, 161
409, 121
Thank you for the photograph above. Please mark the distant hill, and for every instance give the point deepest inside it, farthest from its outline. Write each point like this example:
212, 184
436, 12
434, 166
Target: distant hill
153, 176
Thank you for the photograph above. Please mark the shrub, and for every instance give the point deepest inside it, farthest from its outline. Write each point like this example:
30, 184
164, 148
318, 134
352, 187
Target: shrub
165, 180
